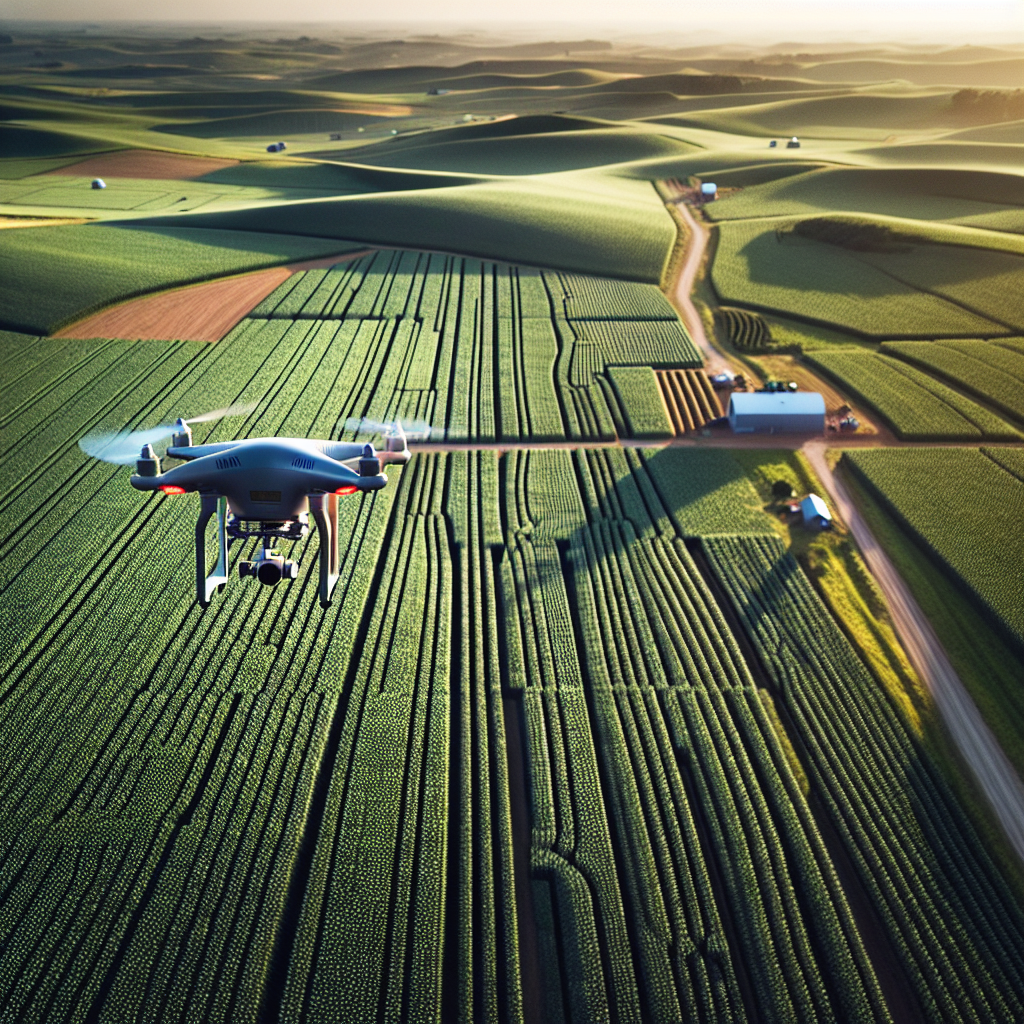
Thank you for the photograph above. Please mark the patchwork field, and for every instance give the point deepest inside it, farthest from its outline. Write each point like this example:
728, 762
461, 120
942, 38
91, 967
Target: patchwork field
592, 730
475, 653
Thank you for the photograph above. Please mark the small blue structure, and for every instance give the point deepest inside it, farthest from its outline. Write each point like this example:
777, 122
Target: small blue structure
98, 183
777, 412
772, 144
708, 191
276, 147
815, 512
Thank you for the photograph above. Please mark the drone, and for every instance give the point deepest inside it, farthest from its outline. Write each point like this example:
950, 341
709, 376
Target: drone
260, 487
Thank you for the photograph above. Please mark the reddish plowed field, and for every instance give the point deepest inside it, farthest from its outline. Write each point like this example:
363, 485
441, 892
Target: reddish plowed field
144, 163
199, 312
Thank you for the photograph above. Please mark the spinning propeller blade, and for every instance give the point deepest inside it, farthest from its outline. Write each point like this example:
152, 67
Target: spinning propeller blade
415, 430
122, 449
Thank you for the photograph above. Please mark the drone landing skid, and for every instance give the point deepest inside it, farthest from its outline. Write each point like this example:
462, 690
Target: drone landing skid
324, 509
207, 584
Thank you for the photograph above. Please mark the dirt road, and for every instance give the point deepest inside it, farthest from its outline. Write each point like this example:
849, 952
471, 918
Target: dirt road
716, 362
979, 748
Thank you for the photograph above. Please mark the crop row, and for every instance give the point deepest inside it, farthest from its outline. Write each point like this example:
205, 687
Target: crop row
267, 808
944, 906
916, 406
590, 298
180, 804
657, 645
744, 329
1011, 459
485, 338
981, 281
659, 343
642, 403
993, 373
973, 533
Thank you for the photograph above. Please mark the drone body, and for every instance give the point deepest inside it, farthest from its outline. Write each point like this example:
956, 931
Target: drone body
267, 488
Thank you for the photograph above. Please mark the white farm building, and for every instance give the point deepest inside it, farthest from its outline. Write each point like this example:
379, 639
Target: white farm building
774, 412
815, 513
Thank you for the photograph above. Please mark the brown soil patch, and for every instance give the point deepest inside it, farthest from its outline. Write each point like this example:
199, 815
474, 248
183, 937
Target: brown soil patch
689, 398
143, 163
198, 312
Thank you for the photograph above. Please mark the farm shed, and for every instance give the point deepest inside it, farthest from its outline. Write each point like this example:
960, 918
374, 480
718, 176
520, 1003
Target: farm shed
815, 512
708, 191
777, 412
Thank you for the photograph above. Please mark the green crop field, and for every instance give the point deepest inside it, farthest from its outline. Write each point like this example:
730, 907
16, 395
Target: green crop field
916, 406
277, 781
972, 532
759, 264
579, 739
991, 372
483, 351
636, 388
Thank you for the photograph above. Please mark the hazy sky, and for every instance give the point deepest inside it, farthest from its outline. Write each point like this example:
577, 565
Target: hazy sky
970, 20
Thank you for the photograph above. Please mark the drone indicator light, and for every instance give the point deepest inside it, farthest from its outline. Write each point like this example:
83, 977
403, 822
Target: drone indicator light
347, 489
172, 489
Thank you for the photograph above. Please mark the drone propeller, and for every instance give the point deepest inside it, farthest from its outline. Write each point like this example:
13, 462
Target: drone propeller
122, 449
414, 430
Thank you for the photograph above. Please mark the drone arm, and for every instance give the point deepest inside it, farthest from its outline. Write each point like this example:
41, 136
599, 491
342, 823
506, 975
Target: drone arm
324, 509
207, 584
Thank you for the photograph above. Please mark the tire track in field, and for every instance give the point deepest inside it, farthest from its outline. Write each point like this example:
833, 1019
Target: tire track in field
975, 741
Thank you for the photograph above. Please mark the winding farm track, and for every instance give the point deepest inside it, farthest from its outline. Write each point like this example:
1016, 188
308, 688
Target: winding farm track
696, 245
979, 748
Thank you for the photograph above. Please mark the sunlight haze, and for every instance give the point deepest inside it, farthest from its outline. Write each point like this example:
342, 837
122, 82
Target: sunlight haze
906, 20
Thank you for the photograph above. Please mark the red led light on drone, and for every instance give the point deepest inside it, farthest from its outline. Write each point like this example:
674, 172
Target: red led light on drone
347, 489
172, 489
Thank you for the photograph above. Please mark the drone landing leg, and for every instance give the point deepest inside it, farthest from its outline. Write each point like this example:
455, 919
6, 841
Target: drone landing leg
207, 584
324, 508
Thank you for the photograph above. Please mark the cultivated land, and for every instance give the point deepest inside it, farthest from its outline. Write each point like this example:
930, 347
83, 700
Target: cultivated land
589, 733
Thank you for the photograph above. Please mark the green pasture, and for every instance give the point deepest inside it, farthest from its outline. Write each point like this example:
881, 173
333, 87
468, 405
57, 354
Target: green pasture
925, 194
983, 69
836, 116
767, 267
611, 227
525, 154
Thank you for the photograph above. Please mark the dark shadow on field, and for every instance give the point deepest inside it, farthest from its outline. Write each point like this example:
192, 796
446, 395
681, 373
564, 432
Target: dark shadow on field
702, 492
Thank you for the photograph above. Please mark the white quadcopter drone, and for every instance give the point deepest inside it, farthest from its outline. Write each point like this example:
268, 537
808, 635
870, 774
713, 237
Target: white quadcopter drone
263, 487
